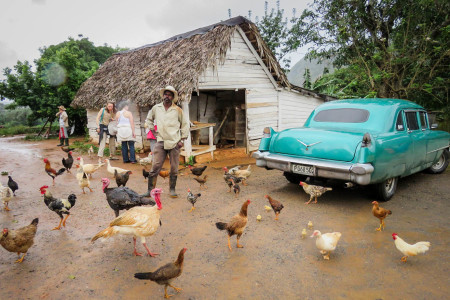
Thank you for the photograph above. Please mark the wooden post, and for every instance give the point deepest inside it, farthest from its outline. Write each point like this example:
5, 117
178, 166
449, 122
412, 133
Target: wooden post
187, 143
211, 140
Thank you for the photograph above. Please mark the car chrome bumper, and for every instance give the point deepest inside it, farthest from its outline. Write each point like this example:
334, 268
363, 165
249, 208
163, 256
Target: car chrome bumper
358, 173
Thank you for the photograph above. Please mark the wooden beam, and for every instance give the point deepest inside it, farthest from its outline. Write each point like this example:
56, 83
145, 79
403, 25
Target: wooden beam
187, 143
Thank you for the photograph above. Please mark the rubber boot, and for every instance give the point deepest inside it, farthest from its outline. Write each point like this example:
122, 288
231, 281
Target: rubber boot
151, 185
66, 140
61, 142
172, 184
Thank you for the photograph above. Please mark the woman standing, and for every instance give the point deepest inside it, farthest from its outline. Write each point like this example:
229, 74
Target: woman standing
63, 125
104, 117
126, 133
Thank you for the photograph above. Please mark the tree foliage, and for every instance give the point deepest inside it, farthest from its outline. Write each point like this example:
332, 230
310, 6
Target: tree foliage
58, 74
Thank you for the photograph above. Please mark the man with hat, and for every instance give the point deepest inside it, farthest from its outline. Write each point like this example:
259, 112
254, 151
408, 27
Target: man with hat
63, 125
173, 129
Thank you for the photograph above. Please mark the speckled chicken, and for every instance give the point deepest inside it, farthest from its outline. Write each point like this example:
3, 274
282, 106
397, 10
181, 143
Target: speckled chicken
314, 191
192, 198
59, 206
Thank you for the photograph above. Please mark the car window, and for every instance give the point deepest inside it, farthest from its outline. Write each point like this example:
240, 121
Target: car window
423, 120
399, 124
411, 120
343, 115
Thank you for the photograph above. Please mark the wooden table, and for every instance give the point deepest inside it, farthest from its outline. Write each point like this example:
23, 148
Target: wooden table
200, 149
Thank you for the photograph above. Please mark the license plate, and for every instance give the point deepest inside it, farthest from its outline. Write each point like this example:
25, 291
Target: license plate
302, 169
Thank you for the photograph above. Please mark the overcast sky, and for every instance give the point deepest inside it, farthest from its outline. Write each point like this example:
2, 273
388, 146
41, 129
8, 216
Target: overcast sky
27, 25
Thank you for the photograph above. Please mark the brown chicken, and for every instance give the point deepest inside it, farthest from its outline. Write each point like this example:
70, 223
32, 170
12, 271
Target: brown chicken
236, 188
314, 191
122, 178
227, 178
164, 174
277, 206
197, 171
19, 240
165, 274
52, 172
202, 182
380, 213
236, 225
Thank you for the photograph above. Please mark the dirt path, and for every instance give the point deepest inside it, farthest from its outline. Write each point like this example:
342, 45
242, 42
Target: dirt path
275, 263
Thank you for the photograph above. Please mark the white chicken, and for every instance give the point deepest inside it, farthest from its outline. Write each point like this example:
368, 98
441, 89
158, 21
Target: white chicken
326, 242
410, 250
243, 174
139, 221
89, 168
83, 180
6, 195
111, 169
146, 160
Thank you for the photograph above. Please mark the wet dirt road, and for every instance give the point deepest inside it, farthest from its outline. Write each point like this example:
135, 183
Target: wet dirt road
275, 262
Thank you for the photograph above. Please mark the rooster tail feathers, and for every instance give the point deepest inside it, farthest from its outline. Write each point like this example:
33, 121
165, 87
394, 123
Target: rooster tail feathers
221, 225
60, 171
105, 233
423, 247
35, 222
147, 276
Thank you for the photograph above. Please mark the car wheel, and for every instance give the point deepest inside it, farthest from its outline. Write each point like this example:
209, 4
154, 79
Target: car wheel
387, 188
441, 164
294, 178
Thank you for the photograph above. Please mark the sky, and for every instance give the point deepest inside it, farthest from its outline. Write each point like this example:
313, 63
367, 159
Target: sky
27, 25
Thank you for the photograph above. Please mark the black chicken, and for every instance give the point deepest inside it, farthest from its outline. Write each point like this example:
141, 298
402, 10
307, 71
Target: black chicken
12, 185
121, 198
145, 174
122, 178
68, 162
197, 171
59, 206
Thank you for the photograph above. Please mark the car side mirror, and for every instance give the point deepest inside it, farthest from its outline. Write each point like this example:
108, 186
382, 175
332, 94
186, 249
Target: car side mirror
434, 126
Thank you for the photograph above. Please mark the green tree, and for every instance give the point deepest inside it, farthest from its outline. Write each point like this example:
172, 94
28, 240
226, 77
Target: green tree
59, 73
307, 77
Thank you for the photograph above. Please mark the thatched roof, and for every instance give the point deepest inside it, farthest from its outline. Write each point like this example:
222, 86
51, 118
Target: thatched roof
138, 74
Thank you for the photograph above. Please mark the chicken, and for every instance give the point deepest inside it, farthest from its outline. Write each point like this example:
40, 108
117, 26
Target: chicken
19, 240
202, 182
12, 185
380, 213
410, 250
52, 172
111, 169
59, 206
192, 199
326, 242
89, 168
303, 233
122, 179
197, 171
121, 198
138, 221
243, 174
310, 225
276, 205
236, 226
6, 195
258, 218
314, 191
146, 160
267, 208
67, 149
145, 174
83, 180
164, 174
90, 151
165, 274
67, 163
227, 177
236, 188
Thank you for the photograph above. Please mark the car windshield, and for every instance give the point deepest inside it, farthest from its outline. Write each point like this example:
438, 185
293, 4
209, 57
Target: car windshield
343, 115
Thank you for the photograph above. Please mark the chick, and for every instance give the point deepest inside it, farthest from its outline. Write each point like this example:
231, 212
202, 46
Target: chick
267, 208
303, 233
258, 218
310, 225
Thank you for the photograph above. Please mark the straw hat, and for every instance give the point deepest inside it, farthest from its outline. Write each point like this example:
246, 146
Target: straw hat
62, 107
172, 89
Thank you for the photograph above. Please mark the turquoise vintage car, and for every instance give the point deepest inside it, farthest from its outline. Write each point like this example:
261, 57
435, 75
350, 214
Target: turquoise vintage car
358, 141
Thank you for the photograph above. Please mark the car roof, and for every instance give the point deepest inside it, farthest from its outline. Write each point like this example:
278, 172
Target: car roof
377, 103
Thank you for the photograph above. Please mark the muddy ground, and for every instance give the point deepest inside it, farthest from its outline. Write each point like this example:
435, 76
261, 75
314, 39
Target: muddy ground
274, 264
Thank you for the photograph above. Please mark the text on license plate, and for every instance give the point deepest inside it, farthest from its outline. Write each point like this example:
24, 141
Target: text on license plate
302, 169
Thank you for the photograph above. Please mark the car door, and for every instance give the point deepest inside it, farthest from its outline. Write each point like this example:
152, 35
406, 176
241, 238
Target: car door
417, 158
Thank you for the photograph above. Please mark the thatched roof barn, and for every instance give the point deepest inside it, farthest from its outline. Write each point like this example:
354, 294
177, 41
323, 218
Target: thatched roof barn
226, 63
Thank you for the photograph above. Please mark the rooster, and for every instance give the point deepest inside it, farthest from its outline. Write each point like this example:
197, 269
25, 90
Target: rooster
138, 221
83, 180
380, 213
122, 178
410, 250
164, 174
326, 242
165, 274
276, 205
12, 185
243, 174
19, 240
52, 172
201, 181
236, 226
192, 199
314, 191
197, 171
122, 197
59, 206
6, 195
68, 162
